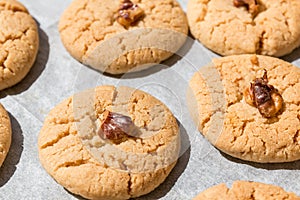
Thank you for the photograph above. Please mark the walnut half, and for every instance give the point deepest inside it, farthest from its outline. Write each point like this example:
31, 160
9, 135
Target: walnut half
129, 13
251, 5
264, 96
116, 127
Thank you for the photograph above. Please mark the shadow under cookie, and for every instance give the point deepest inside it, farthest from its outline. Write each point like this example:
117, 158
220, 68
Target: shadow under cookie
268, 166
295, 55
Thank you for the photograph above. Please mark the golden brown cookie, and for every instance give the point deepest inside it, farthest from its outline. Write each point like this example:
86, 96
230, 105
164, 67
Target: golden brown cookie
5, 134
92, 33
242, 190
19, 42
109, 143
220, 105
268, 28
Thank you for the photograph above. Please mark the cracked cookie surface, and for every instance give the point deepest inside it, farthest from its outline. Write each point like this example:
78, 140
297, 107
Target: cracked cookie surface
242, 190
5, 134
18, 42
88, 24
234, 126
72, 155
228, 30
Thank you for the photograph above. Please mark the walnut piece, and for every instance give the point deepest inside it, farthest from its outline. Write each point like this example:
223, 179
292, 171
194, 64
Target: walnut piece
116, 127
264, 97
251, 5
129, 13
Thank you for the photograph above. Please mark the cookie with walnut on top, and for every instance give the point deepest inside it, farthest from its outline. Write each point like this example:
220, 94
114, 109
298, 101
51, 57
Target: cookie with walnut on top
231, 27
119, 36
248, 106
110, 143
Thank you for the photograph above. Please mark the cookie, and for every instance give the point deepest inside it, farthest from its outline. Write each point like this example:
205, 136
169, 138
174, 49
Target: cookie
232, 27
109, 143
241, 190
264, 129
5, 134
94, 33
19, 42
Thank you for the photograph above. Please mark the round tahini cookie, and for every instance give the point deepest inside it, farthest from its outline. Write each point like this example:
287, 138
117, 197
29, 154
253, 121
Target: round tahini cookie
119, 36
109, 143
230, 27
248, 106
19, 42
242, 190
5, 134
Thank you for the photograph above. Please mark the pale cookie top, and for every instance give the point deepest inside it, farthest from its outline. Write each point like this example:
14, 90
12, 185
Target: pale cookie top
230, 30
219, 108
85, 25
243, 190
18, 42
72, 152
5, 134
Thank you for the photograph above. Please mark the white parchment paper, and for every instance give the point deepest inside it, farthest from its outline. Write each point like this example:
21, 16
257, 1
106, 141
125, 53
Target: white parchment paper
56, 76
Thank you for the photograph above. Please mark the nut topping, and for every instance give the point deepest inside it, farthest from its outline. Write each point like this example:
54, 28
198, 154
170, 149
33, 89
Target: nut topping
117, 127
251, 5
129, 13
264, 97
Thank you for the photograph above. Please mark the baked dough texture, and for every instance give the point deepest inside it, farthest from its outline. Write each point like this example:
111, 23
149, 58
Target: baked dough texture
244, 190
19, 42
5, 134
74, 157
228, 30
87, 25
218, 106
